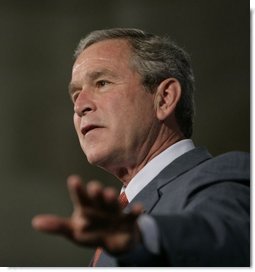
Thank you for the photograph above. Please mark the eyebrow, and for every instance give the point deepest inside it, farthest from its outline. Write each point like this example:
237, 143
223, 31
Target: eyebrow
91, 76
71, 88
96, 74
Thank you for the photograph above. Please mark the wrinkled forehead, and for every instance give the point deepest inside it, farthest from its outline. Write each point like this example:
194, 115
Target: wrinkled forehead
110, 54
87, 64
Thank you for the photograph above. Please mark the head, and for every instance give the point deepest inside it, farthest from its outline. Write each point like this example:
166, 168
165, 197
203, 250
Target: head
155, 59
118, 77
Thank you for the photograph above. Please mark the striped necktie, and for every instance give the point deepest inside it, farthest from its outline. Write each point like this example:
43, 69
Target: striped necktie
123, 203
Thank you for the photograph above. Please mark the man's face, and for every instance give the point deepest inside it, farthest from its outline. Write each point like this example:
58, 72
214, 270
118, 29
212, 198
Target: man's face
114, 116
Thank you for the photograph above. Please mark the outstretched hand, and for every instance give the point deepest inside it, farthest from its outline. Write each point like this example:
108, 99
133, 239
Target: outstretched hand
97, 219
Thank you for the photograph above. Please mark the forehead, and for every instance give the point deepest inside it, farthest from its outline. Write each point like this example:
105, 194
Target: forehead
114, 53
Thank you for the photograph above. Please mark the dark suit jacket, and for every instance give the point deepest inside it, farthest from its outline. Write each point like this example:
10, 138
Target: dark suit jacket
201, 207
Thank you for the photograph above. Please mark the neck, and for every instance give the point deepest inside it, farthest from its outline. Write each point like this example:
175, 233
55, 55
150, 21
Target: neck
126, 173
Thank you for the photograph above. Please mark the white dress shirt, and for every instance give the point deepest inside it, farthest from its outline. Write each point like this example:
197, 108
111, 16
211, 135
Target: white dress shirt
155, 166
146, 223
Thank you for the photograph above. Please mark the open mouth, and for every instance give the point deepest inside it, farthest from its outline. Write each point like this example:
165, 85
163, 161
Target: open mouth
88, 128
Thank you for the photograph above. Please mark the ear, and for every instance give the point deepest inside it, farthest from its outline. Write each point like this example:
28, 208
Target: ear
167, 95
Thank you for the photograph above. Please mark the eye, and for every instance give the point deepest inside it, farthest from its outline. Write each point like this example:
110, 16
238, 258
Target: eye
75, 96
102, 83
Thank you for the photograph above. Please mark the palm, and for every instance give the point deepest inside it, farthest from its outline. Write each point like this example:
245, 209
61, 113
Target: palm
97, 219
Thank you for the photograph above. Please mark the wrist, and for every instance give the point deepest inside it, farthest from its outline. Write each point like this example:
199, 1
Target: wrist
124, 241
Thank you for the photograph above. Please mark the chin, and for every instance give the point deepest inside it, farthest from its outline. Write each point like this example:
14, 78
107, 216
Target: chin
103, 157
104, 162
94, 158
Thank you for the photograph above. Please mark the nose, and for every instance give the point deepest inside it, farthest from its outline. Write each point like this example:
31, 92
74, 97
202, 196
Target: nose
84, 104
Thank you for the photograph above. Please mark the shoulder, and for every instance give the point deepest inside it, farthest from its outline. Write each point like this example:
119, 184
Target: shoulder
225, 177
199, 168
225, 174
229, 169
235, 164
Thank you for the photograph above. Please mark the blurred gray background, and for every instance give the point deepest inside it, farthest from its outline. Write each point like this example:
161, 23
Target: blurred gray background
38, 145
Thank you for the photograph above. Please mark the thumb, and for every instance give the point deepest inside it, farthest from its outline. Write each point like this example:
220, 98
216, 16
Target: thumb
52, 224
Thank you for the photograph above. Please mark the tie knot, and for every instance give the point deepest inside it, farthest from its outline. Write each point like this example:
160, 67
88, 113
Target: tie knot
123, 200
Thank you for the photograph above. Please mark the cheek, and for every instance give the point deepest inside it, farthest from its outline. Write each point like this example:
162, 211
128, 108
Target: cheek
76, 121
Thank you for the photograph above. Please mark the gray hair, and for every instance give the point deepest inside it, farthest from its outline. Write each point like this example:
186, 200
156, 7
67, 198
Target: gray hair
155, 59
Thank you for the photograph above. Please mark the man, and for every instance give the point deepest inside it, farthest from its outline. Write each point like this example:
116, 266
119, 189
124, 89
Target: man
133, 110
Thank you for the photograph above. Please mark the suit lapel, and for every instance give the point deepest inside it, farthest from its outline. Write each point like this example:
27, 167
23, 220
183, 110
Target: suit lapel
182, 164
150, 195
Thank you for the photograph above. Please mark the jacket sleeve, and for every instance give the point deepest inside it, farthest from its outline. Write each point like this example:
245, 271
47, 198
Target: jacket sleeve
213, 230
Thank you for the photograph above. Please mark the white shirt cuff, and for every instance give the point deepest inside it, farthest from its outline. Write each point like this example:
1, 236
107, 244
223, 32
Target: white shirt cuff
150, 233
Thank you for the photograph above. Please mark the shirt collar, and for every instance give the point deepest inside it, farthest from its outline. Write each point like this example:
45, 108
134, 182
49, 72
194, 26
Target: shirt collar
155, 166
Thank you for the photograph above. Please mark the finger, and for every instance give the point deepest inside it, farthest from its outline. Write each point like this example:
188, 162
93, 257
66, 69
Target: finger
111, 200
137, 209
110, 195
104, 200
94, 189
52, 224
96, 194
77, 193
